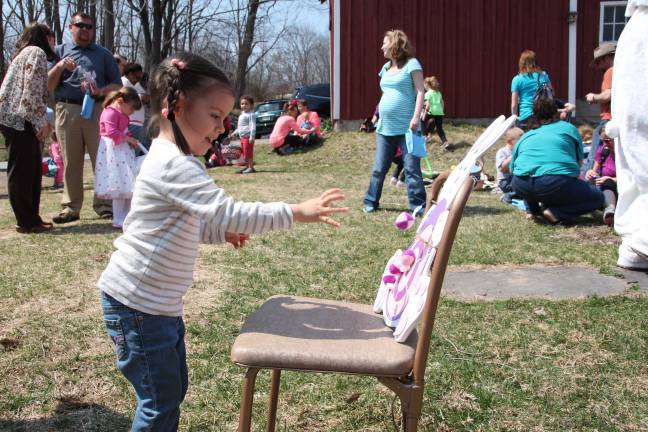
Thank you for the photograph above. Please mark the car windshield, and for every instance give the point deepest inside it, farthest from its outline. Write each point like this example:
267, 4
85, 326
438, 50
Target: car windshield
271, 106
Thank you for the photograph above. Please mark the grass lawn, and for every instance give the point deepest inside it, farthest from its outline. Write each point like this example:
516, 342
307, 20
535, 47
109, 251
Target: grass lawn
581, 365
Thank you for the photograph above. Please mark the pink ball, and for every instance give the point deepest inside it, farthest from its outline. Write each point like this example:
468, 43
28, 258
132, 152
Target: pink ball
404, 221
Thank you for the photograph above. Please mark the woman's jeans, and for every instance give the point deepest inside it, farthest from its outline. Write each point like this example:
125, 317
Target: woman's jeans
385, 150
151, 354
566, 197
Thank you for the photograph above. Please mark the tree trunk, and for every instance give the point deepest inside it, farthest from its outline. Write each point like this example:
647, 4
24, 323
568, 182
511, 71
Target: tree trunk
2, 60
109, 25
245, 48
56, 21
47, 4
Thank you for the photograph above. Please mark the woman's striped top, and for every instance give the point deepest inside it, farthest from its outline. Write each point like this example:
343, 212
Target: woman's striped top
176, 206
398, 100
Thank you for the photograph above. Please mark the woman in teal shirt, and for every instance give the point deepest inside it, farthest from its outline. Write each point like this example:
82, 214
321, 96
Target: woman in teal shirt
401, 81
524, 86
545, 166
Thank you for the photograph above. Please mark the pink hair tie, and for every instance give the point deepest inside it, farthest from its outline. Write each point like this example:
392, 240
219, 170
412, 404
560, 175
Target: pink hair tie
165, 112
178, 63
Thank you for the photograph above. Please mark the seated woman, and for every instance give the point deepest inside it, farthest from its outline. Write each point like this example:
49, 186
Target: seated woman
309, 120
282, 142
546, 164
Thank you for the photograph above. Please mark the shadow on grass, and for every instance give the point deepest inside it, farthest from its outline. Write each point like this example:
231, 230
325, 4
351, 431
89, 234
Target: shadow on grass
86, 228
4, 196
479, 210
72, 415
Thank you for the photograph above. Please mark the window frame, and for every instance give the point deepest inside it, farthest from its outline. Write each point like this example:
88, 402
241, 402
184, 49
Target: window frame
602, 7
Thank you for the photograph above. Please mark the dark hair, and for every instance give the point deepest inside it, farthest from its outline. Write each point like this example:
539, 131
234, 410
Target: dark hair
289, 106
187, 74
544, 108
36, 34
303, 102
84, 16
132, 67
126, 94
248, 98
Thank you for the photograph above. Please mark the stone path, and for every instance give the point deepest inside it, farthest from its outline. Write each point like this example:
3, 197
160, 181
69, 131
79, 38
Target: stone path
553, 282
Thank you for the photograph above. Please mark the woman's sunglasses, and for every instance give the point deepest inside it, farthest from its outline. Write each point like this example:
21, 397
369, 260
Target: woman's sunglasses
81, 25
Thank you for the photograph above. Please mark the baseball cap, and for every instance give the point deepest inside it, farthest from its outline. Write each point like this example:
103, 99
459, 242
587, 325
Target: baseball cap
602, 50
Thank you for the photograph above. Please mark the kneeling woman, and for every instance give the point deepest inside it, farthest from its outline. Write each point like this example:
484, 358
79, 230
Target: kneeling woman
282, 142
546, 164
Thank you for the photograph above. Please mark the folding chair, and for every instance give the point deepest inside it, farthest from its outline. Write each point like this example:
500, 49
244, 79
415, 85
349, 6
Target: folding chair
313, 335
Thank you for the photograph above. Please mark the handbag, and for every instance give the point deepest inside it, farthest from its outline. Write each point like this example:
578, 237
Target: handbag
415, 143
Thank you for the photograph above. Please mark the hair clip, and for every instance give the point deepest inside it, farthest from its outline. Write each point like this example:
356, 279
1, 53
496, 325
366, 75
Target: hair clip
165, 112
178, 63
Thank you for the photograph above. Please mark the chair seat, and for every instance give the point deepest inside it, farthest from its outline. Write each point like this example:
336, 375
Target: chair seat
301, 333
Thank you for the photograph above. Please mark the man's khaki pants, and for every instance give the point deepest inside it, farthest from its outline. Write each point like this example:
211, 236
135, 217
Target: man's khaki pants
78, 136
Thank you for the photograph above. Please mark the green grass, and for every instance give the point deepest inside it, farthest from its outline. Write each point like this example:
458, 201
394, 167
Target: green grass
581, 366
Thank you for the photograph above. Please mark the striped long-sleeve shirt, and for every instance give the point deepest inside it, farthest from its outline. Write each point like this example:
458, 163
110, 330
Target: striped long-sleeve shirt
176, 206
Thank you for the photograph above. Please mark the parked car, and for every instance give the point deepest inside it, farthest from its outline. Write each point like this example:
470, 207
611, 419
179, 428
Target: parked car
318, 97
267, 113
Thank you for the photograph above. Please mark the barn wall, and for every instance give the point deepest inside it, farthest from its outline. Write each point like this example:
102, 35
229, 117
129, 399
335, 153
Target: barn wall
472, 46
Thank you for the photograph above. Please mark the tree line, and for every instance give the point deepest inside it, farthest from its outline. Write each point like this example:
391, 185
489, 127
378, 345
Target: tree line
255, 41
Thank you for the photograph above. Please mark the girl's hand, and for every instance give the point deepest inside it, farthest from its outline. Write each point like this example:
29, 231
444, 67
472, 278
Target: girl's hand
236, 239
318, 209
415, 123
131, 142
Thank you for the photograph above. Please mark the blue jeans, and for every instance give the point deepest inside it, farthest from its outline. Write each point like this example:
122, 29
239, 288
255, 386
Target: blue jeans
151, 354
566, 197
385, 150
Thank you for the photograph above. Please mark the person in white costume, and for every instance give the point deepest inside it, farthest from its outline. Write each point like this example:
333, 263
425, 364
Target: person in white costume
629, 126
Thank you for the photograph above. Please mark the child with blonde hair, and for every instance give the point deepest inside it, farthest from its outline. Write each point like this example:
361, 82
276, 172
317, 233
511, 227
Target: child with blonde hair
176, 205
434, 110
502, 160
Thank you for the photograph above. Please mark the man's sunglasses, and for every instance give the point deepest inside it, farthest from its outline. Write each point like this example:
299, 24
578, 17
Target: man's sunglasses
81, 25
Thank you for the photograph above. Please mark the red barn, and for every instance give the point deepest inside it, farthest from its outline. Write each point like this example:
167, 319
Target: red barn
472, 46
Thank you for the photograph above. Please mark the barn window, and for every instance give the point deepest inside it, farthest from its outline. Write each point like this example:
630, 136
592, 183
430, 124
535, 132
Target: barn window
612, 20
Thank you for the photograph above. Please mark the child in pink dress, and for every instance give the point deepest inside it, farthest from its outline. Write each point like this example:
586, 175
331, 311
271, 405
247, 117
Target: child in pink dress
57, 157
115, 168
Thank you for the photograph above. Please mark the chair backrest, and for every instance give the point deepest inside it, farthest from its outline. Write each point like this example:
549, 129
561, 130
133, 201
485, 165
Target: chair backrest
437, 274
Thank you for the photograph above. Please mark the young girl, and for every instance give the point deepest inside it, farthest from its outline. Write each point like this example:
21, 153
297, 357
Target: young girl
281, 141
246, 130
434, 110
55, 153
603, 175
176, 206
115, 165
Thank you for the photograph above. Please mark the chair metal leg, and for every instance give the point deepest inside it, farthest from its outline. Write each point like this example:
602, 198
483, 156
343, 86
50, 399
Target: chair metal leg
274, 398
247, 399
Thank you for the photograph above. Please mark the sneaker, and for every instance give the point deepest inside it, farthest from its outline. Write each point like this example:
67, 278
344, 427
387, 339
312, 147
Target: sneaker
393, 181
248, 171
368, 209
66, 217
105, 215
629, 259
608, 215
58, 186
400, 184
